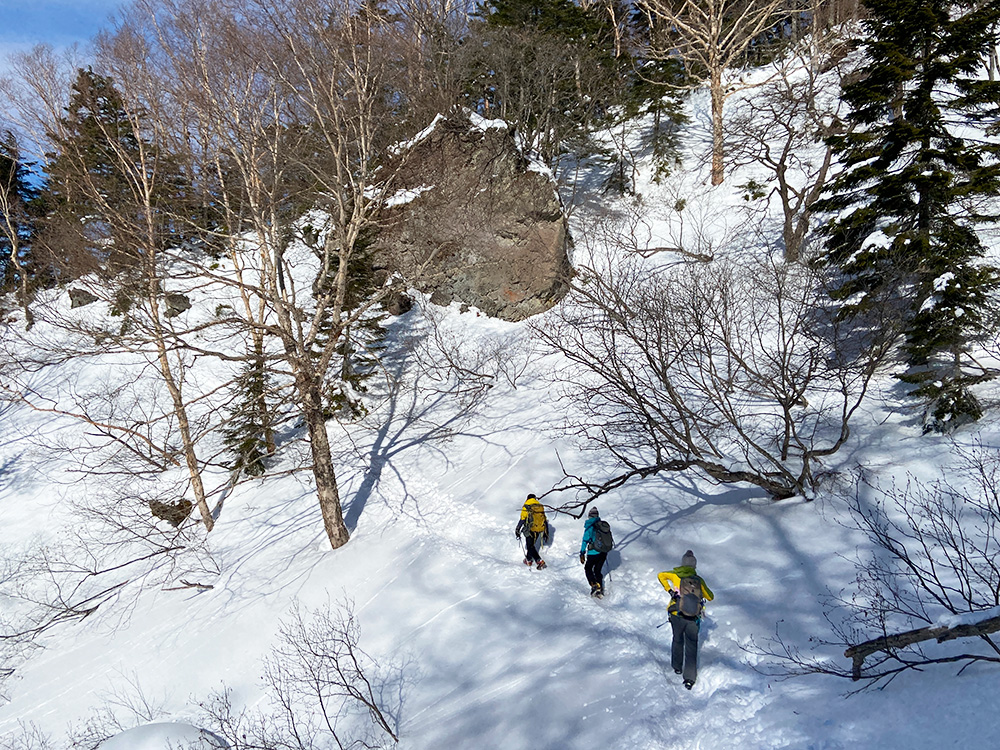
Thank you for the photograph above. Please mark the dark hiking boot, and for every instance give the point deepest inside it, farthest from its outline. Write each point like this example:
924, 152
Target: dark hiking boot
527, 562
678, 671
689, 684
541, 564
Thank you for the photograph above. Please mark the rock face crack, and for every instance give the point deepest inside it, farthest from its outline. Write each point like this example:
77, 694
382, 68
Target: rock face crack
493, 228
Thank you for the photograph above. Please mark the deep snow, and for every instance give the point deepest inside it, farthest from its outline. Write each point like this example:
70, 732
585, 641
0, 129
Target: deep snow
476, 650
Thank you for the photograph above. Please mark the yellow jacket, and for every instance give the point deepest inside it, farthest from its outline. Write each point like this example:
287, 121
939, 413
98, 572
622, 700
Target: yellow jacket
671, 580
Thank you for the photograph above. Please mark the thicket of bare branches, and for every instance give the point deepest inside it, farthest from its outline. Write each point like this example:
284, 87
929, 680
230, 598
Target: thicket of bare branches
325, 692
784, 126
932, 577
96, 570
736, 369
322, 690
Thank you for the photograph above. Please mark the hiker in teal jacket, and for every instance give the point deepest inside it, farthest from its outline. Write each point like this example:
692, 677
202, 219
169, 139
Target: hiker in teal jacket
592, 560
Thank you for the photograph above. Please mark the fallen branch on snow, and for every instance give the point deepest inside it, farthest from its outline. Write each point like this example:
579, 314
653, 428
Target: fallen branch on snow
941, 633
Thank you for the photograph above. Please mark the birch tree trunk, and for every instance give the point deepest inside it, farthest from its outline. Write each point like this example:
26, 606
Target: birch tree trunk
718, 135
327, 490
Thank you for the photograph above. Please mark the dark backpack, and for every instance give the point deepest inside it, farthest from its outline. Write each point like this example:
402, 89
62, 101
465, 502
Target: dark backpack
601, 540
689, 601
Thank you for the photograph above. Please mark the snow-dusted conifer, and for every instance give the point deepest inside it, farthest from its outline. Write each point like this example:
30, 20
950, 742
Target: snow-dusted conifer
919, 170
249, 434
18, 206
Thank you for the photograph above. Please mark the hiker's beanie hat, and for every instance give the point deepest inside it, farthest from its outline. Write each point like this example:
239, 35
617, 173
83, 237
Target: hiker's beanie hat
531, 496
689, 559
594, 513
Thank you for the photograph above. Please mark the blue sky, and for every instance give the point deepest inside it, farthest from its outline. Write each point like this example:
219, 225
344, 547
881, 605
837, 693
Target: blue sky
58, 22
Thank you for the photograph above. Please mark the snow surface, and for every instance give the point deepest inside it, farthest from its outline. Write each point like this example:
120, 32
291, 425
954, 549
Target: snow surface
403, 197
477, 650
161, 735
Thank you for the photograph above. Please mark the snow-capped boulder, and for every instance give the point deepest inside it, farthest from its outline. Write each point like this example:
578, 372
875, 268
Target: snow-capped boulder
471, 219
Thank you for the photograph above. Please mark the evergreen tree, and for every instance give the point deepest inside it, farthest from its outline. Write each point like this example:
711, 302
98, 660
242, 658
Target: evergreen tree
548, 67
360, 344
99, 174
654, 88
19, 205
94, 141
560, 18
249, 434
917, 173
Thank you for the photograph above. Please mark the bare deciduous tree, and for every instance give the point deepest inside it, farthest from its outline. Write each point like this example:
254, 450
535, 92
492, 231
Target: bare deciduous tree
711, 36
294, 106
779, 126
134, 221
323, 686
735, 369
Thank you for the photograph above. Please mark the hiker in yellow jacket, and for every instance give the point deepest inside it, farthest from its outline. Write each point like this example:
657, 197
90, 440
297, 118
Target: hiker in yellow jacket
536, 530
688, 592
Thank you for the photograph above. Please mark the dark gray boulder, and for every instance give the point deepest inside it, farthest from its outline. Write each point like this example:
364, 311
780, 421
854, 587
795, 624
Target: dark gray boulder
176, 303
471, 219
80, 298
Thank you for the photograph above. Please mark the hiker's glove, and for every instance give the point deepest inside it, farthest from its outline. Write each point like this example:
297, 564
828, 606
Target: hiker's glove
583, 558
517, 533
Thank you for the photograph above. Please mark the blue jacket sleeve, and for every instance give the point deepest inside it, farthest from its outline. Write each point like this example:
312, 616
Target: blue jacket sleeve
588, 535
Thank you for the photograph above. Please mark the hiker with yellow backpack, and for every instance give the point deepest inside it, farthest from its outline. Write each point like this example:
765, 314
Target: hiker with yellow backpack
536, 530
688, 592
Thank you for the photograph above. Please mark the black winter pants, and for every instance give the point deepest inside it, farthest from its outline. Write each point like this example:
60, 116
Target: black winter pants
594, 566
532, 541
684, 653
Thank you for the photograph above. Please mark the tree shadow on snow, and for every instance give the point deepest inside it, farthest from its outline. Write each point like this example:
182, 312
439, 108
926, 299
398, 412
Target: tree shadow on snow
419, 411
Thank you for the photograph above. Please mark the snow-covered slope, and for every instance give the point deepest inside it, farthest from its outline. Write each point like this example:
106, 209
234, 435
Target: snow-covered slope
470, 648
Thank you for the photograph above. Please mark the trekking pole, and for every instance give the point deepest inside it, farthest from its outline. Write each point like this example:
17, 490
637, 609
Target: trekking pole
662, 624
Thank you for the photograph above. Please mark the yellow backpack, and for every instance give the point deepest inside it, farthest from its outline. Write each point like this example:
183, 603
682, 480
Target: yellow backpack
535, 520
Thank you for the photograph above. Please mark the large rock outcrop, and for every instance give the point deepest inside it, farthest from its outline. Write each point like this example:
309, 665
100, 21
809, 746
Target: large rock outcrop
472, 219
